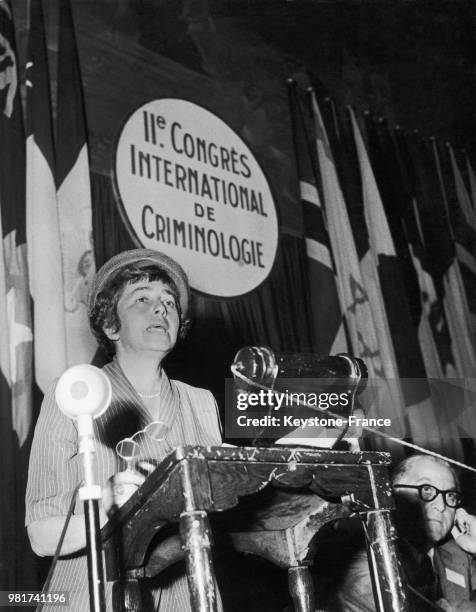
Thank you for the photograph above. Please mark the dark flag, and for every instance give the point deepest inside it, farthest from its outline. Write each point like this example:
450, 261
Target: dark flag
464, 226
439, 348
462, 194
425, 229
398, 278
44, 252
401, 200
15, 323
452, 241
73, 195
460, 279
472, 182
417, 396
328, 327
397, 173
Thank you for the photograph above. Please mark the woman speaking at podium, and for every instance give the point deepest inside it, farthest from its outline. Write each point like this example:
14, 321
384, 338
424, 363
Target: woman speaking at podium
137, 307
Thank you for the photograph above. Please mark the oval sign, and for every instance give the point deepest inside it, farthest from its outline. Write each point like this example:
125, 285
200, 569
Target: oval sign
190, 187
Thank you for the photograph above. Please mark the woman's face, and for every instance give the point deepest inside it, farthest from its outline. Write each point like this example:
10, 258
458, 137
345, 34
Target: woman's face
149, 319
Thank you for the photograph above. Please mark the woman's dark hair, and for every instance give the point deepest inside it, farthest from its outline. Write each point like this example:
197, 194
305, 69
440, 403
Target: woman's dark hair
104, 313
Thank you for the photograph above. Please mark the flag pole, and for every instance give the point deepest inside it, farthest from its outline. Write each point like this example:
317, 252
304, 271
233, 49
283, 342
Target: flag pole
89, 495
442, 185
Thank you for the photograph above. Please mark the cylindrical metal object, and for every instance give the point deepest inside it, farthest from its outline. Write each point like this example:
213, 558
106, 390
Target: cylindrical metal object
97, 600
299, 372
301, 588
257, 363
126, 595
196, 540
392, 596
261, 364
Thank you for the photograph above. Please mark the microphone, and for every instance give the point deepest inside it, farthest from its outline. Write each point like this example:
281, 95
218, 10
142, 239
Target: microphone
262, 365
300, 375
83, 390
83, 393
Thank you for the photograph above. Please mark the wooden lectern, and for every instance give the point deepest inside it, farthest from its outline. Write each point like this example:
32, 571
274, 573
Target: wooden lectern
270, 502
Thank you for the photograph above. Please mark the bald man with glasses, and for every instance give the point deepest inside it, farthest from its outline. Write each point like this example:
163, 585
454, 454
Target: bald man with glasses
438, 567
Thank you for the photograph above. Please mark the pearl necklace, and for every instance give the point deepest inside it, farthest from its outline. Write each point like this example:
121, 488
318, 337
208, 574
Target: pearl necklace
145, 396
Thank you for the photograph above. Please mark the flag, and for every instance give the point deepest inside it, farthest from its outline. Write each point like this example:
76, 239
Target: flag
462, 194
16, 343
383, 247
385, 395
461, 227
404, 207
463, 233
409, 361
397, 173
472, 181
329, 335
328, 325
459, 262
352, 295
439, 255
15, 318
428, 241
74, 195
43, 236
359, 291
444, 247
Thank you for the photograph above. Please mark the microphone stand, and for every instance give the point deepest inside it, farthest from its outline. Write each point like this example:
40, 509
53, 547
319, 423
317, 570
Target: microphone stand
90, 494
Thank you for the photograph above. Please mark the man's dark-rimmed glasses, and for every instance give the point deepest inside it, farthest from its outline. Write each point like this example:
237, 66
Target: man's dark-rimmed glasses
428, 493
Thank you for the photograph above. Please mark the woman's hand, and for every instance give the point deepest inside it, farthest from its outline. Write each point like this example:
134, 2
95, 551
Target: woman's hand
119, 488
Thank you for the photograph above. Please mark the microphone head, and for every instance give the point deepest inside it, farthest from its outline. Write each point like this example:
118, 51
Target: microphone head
83, 390
257, 363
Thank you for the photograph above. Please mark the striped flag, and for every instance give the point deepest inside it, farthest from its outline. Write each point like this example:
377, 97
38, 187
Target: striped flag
44, 253
15, 320
16, 343
329, 334
328, 324
74, 195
